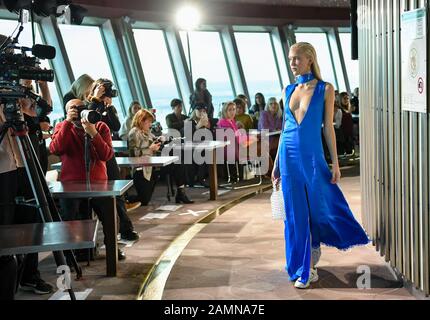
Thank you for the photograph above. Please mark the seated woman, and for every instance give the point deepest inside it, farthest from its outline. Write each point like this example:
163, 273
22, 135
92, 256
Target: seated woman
175, 120
126, 126
199, 120
271, 119
142, 142
245, 119
242, 139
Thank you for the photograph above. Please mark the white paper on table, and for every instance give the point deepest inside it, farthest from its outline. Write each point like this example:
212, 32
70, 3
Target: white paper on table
64, 295
153, 215
169, 207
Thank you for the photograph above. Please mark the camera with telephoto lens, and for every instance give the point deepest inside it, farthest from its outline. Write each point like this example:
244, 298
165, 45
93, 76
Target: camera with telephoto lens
92, 116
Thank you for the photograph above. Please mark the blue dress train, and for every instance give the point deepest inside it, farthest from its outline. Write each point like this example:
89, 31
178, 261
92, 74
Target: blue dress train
316, 210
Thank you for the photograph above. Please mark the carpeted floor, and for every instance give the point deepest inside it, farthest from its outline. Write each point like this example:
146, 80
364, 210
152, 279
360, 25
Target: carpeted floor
240, 255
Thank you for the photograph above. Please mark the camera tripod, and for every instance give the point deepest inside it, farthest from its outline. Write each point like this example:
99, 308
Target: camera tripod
42, 196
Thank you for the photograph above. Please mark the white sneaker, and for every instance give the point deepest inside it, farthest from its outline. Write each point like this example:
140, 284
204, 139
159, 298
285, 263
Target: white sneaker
313, 277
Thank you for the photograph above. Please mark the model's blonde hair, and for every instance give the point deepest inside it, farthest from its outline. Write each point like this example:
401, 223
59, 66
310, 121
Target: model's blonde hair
82, 86
307, 49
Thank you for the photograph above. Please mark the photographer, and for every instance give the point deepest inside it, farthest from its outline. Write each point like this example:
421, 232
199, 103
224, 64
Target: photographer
30, 279
101, 100
12, 171
68, 142
10, 161
14, 182
39, 123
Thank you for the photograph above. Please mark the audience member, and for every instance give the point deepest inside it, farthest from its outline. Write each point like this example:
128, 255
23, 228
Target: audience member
126, 125
201, 95
241, 117
143, 143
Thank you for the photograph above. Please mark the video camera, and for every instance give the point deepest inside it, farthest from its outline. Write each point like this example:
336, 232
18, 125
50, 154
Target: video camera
19, 66
14, 67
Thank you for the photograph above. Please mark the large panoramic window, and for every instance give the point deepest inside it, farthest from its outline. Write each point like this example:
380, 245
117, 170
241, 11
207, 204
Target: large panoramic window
351, 65
87, 53
208, 62
25, 39
258, 62
319, 41
158, 71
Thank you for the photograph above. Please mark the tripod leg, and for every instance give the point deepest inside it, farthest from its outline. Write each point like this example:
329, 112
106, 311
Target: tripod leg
31, 163
54, 211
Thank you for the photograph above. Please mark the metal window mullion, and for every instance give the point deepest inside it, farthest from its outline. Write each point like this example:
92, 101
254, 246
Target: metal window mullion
279, 56
330, 50
179, 65
140, 88
51, 34
341, 59
233, 61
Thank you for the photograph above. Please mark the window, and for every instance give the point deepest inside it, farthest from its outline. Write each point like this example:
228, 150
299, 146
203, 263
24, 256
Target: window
208, 62
351, 65
25, 39
152, 49
258, 63
319, 41
87, 54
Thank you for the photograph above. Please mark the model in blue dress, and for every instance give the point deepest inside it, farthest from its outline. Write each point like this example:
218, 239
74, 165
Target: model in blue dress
316, 210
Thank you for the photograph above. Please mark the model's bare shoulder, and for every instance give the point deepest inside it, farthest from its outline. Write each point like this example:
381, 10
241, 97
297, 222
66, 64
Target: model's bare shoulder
329, 91
329, 87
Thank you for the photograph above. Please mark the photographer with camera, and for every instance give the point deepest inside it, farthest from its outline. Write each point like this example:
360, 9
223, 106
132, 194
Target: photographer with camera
68, 142
100, 98
10, 161
29, 278
39, 122
14, 180
98, 94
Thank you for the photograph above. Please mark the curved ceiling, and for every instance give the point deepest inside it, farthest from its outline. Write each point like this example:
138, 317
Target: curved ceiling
261, 12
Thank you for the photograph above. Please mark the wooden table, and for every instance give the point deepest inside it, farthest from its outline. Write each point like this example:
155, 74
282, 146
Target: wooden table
47, 237
210, 146
111, 189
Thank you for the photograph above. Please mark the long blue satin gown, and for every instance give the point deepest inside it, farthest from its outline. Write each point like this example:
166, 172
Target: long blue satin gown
316, 210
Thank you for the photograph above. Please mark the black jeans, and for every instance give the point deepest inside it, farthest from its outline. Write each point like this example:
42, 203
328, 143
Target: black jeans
144, 187
8, 264
125, 224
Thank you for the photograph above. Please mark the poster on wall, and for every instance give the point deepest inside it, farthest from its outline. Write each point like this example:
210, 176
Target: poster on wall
414, 60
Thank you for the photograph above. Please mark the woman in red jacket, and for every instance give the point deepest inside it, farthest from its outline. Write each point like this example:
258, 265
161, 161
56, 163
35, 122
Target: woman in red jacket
68, 142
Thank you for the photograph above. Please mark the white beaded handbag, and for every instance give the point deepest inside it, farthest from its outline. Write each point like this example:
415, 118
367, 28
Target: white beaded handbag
277, 202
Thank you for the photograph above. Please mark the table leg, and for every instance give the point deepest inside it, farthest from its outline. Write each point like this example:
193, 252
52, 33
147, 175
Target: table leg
213, 178
111, 241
